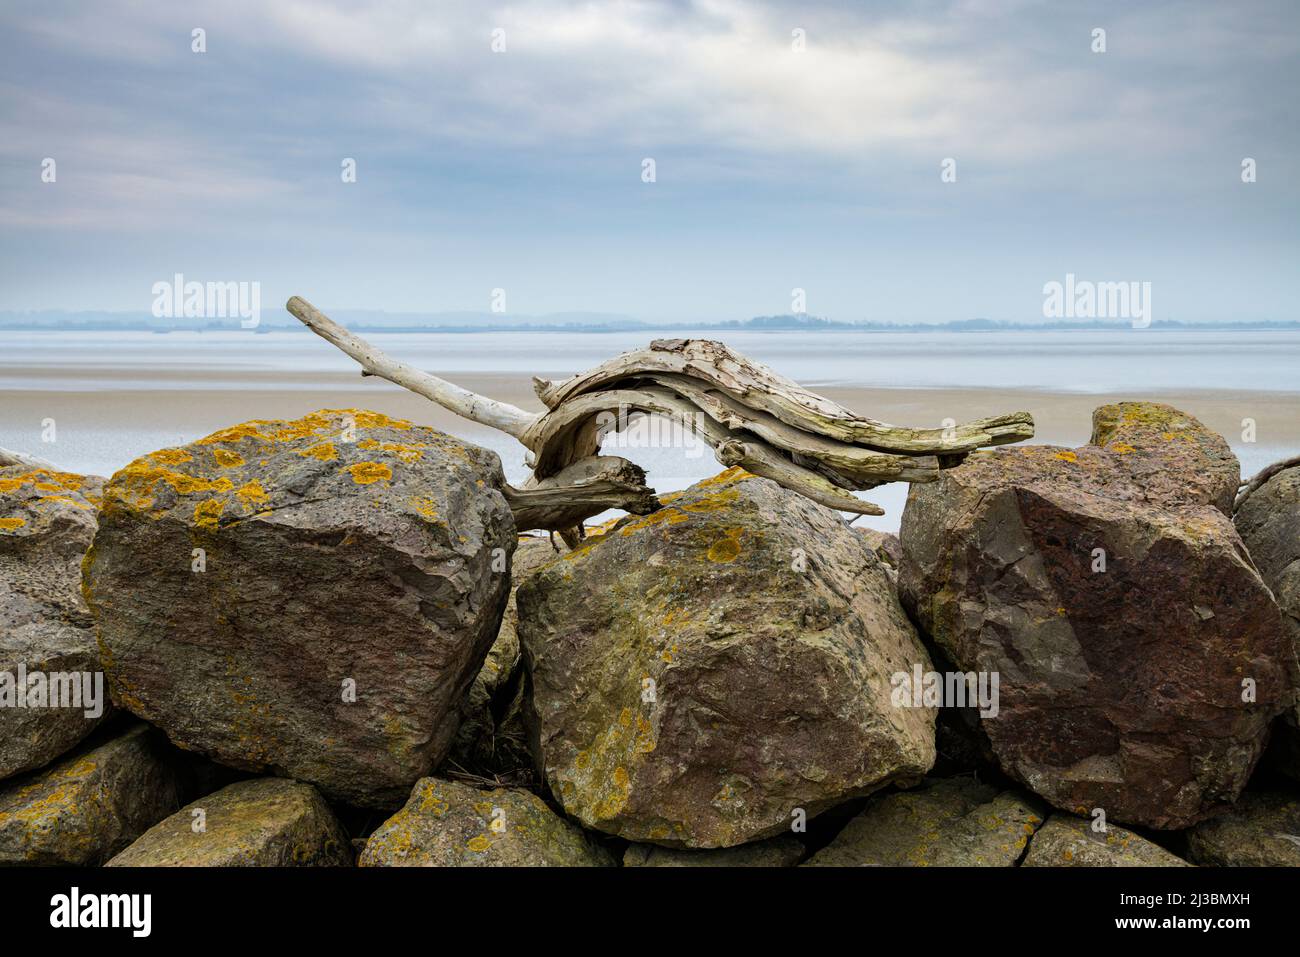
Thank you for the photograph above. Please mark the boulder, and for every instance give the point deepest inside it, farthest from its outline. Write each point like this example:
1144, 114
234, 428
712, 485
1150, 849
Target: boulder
948, 822
1139, 654
784, 851
491, 740
52, 691
703, 674
1261, 830
447, 824
1069, 841
263, 822
308, 598
86, 807
1268, 520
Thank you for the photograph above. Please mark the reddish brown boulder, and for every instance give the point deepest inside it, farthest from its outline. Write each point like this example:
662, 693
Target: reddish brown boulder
1140, 656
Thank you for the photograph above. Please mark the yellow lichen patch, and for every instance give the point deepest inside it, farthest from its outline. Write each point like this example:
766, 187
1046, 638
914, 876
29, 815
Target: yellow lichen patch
376, 420
1067, 456
665, 516
479, 844
727, 548
170, 456
713, 502
364, 473
322, 451
12, 524
427, 507
64, 500
252, 493
45, 480
236, 433
227, 459
733, 474
208, 512
1122, 448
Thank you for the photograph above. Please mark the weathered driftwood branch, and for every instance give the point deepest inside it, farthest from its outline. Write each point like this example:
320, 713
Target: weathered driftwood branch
1250, 485
750, 415
10, 457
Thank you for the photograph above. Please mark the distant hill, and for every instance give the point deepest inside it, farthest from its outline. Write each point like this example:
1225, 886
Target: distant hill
277, 320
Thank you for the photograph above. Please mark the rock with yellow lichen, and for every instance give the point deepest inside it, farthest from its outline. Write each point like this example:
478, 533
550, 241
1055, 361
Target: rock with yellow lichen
48, 659
264, 822
86, 807
1261, 830
492, 740
309, 598
951, 822
1140, 656
1069, 841
1268, 520
702, 675
448, 824
783, 851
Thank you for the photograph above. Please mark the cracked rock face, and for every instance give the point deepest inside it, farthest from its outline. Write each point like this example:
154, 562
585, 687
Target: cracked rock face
1269, 523
447, 824
47, 520
1069, 841
85, 808
950, 822
1108, 589
308, 598
265, 822
701, 674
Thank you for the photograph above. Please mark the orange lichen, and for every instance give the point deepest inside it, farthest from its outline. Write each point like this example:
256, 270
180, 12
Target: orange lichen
364, 473
322, 451
1067, 456
252, 493
227, 459
12, 524
208, 512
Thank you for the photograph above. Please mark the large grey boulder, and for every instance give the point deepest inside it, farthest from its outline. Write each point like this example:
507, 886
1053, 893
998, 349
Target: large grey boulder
89, 805
49, 665
1140, 656
309, 598
448, 824
948, 822
1069, 841
706, 674
263, 822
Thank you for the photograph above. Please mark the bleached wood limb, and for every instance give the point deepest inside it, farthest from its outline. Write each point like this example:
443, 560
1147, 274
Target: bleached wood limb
586, 488
1260, 477
750, 415
10, 457
477, 408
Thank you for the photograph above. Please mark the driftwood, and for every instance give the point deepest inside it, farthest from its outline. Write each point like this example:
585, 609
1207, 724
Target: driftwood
10, 457
750, 415
1249, 486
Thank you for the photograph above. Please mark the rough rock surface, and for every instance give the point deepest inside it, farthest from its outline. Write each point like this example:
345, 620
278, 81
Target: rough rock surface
446, 824
1261, 830
886, 546
1269, 523
47, 520
344, 552
1120, 689
88, 806
783, 851
701, 673
951, 822
1069, 841
264, 822
491, 739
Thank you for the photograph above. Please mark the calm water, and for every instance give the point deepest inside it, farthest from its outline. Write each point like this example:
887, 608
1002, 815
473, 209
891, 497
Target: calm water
1132, 361
1086, 362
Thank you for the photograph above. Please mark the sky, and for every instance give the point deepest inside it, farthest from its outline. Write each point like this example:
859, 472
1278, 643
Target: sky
794, 146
